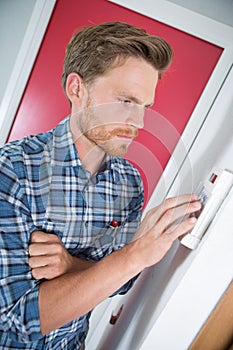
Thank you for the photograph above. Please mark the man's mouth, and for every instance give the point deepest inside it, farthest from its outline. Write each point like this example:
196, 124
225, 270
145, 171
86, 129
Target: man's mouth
125, 137
127, 134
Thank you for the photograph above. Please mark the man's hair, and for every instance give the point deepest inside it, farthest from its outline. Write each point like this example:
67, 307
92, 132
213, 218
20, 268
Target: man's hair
96, 49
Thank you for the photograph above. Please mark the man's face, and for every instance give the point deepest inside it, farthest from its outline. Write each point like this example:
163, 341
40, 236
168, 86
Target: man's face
114, 109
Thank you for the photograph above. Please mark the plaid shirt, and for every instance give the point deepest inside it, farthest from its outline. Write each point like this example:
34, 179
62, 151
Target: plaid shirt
43, 186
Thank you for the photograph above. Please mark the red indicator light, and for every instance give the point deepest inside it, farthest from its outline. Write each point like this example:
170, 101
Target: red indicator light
213, 178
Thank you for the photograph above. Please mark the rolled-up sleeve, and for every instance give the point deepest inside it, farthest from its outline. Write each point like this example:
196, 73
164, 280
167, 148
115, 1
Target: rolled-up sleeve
19, 312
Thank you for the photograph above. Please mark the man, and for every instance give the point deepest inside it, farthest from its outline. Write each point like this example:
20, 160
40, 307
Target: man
71, 206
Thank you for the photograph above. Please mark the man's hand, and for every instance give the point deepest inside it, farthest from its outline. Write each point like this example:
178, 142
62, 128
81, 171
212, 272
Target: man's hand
162, 225
48, 257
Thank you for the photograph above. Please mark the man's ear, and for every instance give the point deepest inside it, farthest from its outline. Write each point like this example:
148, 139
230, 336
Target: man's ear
74, 88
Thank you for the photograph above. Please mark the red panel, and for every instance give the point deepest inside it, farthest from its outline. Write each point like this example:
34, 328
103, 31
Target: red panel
44, 103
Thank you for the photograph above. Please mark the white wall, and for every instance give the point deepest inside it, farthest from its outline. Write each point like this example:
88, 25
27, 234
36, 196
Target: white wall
14, 18
219, 10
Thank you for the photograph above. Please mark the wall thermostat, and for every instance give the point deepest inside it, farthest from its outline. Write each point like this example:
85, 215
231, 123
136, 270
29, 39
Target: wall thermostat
211, 193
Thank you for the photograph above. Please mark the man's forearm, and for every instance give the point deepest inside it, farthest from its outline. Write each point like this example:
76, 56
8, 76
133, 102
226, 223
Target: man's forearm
71, 295
80, 264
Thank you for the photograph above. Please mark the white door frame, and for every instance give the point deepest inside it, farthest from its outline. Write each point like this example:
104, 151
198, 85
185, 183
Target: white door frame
24, 62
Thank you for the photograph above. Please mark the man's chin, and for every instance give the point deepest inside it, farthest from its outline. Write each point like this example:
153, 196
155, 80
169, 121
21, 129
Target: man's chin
116, 151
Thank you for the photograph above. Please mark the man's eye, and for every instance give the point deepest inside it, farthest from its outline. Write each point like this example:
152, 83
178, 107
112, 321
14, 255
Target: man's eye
126, 102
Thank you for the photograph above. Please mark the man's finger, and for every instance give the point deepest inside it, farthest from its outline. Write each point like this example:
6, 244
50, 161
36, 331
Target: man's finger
42, 272
175, 214
40, 237
174, 202
45, 248
182, 228
38, 261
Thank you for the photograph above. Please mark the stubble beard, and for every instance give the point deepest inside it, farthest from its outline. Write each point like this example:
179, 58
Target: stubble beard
100, 134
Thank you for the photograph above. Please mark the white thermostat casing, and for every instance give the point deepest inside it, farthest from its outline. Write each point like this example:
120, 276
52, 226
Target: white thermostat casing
211, 193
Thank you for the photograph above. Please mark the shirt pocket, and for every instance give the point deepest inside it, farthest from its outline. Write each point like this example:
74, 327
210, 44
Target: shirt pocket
99, 238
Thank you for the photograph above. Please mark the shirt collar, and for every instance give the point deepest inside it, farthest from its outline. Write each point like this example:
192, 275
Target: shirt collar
64, 144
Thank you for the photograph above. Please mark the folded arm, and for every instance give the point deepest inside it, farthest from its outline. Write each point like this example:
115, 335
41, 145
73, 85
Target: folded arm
74, 293
48, 257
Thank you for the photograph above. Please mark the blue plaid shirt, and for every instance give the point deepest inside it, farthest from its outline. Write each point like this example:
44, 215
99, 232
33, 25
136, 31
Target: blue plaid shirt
43, 186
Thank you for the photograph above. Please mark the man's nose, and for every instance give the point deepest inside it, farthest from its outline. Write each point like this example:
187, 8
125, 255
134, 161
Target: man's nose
136, 117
